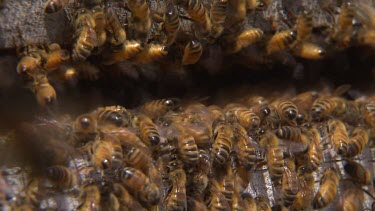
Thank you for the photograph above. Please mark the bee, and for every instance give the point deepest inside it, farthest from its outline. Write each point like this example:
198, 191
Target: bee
353, 199
321, 108
199, 14
29, 65
176, 199
44, 92
339, 136
139, 184
315, 153
171, 25
262, 204
216, 113
202, 133
113, 26
358, 172
290, 133
222, 142
115, 115
129, 49
53, 6
306, 180
308, 50
280, 41
274, 154
141, 19
138, 159
218, 15
62, 176
304, 102
236, 15
148, 130
192, 52
245, 117
85, 128
283, 111
290, 186
188, 149
150, 53
304, 26
101, 154
157, 108
259, 106
245, 39
358, 140
195, 205
342, 33
99, 16
55, 59
369, 114
91, 198
86, 35
125, 199
218, 201
327, 190
198, 177
248, 151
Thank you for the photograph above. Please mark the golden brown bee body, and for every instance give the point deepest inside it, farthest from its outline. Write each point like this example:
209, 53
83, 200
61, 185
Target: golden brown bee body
262, 204
283, 111
289, 133
53, 6
129, 49
218, 15
321, 108
157, 108
55, 59
151, 52
195, 205
98, 14
245, 39
138, 159
358, 140
308, 50
125, 199
199, 14
102, 154
149, 132
259, 105
192, 52
118, 34
216, 113
141, 19
245, 117
218, 202
28, 65
171, 25
274, 155
315, 153
280, 41
86, 42
139, 184
176, 199
353, 200
44, 92
339, 136
328, 189
114, 115
223, 142
304, 25
188, 149
358, 172
85, 128
306, 180
62, 176
91, 198
290, 186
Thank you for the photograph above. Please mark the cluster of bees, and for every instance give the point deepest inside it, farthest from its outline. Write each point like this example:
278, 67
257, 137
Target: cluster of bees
175, 35
256, 153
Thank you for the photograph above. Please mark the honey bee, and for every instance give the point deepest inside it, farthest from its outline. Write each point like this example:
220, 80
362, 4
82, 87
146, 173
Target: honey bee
245, 117
304, 26
321, 108
126, 200
369, 114
315, 153
150, 53
87, 40
259, 106
308, 50
358, 140
342, 34
328, 189
245, 39
236, 15
129, 49
44, 92
353, 200
358, 172
192, 52
138, 159
199, 14
29, 65
91, 198
283, 111
55, 59
290, 186
291, 133
218, 201
262, 204
304, 102
115, 29
216, 113
198, 178
248, 151
101, 154
188, 149
218, 15
306, 179
274, 154
176, 199
339, 136
53, 6
85, 128
171, 25
280, 41
62, 176
223, 142
148, 130
115, 115
195, 205
157, 108
99, 16
140, 16
139, 184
